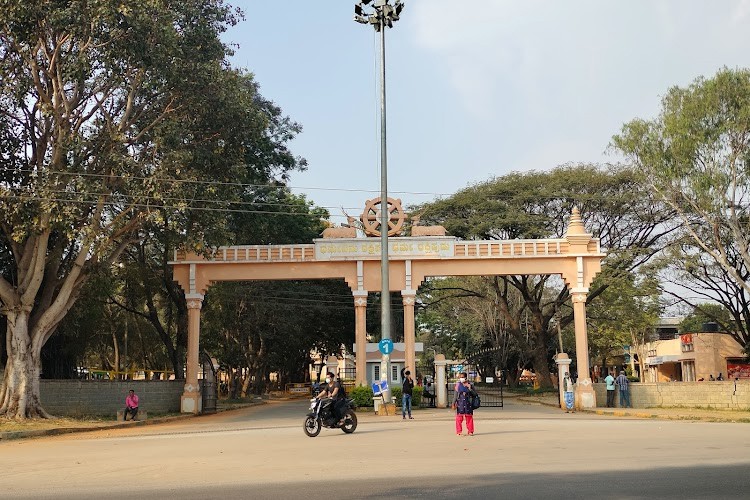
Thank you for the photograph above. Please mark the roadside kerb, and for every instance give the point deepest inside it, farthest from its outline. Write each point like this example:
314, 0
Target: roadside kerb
646, 413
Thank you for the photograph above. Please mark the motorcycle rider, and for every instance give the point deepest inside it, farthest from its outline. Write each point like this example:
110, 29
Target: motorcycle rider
332, 389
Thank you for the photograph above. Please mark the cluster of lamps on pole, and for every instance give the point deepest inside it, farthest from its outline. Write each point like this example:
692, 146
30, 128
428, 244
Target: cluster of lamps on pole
384, 13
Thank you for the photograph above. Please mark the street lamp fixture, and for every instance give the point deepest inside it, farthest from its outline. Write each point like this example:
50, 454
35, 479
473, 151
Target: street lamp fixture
381, 14
384, 14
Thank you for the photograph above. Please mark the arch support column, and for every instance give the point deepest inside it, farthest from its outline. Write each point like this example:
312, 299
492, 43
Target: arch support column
191, 402
585, 396
360, 336
408, 298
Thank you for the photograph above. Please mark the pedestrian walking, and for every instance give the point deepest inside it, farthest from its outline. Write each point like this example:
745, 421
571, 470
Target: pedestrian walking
406, 393
568, 394
622, 382
610, 381
463, 403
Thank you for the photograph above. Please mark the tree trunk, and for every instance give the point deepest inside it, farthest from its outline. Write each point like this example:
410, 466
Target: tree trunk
19, 396
246, 385
116, 346
540, 361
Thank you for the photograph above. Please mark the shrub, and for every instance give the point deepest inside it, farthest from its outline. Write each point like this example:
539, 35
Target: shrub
396, 393
361, 395
416, 396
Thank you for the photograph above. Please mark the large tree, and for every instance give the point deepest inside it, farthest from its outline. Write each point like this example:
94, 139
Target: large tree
624, 315
97, 131
615, 206
463, 317
696, 156
259, 209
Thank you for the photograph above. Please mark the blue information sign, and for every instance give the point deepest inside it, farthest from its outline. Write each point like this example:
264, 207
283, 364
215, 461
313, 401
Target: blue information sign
386, 346
379, 387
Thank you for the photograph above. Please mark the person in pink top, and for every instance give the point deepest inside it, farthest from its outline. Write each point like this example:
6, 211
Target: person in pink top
131, 405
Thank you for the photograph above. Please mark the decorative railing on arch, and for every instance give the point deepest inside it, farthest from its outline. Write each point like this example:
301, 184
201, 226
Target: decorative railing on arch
553, 247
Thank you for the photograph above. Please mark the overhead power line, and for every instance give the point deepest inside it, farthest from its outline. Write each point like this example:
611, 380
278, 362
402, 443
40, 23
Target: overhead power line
276, 185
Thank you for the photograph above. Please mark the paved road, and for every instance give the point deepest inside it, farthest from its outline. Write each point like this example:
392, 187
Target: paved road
520, 451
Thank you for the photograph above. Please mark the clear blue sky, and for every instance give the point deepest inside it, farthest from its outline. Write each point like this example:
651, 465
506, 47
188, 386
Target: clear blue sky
476, 89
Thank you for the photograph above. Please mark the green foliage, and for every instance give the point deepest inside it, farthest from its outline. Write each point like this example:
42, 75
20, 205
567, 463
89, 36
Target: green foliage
695, 156
624, 315
705, 313
416, 397
272, 326
362, 396
396, 393
516, 314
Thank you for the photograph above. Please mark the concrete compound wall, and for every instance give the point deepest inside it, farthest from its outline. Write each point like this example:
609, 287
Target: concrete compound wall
105, 397
723, 395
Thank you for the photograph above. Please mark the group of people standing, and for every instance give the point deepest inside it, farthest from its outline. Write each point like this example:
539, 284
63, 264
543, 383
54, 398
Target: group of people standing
622, 383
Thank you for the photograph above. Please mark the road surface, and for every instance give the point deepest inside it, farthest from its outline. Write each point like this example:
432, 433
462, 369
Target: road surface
520, 451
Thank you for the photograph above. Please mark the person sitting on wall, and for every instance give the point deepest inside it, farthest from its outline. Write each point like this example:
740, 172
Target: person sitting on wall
720, 377
131, 405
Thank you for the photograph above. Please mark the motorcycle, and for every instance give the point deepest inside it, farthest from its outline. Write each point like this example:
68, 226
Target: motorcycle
321, 415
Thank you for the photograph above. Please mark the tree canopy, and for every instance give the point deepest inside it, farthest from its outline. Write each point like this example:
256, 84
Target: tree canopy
615, 206
117, 122
695, 156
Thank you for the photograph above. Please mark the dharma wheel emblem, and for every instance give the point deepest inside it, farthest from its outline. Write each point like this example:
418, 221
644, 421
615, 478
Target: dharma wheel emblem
371, 217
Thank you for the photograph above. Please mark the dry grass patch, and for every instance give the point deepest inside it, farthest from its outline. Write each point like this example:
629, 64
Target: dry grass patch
12, 425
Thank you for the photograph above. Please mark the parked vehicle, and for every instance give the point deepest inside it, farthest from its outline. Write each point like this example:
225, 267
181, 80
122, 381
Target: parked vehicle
321, 415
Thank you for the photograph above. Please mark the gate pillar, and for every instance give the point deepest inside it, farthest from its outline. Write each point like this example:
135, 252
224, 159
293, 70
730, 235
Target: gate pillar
360, 336
441, 381
408, 297
585, 395
563, 366
191, 401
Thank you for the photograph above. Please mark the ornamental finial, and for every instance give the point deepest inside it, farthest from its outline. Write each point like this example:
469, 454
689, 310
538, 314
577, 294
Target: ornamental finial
576, 224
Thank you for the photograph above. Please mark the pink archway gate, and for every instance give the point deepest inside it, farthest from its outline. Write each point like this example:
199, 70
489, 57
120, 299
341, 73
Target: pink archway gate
576, 257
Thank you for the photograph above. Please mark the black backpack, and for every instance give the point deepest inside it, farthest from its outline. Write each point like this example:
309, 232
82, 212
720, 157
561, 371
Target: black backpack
476, 402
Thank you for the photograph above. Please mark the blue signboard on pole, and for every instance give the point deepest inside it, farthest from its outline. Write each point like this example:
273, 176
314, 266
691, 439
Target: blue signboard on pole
379, 387
386, 346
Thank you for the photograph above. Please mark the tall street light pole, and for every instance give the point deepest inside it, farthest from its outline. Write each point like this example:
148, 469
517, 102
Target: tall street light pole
382, 15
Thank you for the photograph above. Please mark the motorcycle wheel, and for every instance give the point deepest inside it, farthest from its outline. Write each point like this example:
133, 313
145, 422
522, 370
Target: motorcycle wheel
312, 426
350, 422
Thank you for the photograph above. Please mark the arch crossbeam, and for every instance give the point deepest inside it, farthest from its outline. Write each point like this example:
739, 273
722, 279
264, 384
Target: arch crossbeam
576, 257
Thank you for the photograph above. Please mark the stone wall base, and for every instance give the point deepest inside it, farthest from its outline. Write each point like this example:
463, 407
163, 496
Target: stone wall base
727, 395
